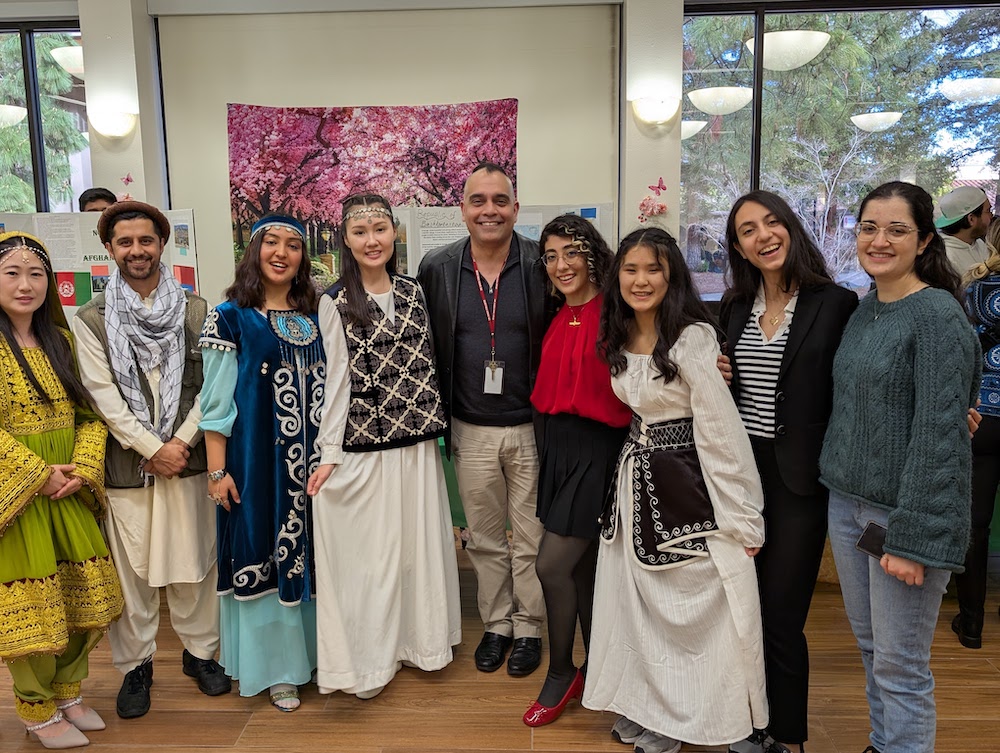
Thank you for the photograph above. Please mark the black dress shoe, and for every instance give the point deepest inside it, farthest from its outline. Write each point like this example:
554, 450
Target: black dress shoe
491, 651
524, 657
211, 677
969, 632
133, 698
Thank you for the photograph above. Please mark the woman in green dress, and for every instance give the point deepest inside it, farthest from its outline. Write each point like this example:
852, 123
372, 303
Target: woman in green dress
58, 587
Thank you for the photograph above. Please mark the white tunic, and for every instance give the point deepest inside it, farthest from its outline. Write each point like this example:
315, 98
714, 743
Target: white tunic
167, 529
386, 571
680, 651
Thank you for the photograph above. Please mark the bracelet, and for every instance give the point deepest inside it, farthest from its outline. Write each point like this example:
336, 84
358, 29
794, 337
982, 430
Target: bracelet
217, 475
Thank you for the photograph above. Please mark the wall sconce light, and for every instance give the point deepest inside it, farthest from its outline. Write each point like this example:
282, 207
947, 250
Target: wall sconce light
655, 111
790, 49
691, 128
70, 59
873, 122
112, 124
11, 115
971, 91
721, 100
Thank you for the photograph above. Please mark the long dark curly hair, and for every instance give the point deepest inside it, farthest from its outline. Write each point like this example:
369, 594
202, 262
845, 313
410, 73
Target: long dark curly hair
52, 338
681, 306
586, 239
247, 290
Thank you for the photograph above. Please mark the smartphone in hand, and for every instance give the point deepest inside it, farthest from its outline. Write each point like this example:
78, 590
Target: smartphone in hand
872, 540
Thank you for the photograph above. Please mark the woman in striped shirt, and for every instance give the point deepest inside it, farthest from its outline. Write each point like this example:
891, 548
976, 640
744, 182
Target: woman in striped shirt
783, 316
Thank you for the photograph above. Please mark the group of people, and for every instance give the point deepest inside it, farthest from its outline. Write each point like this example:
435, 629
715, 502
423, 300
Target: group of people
671, 501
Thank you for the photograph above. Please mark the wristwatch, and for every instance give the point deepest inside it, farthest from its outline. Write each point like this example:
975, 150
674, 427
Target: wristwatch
217, 475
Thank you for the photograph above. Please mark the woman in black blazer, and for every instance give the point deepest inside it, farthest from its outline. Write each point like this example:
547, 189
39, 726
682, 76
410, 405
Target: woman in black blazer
783, 316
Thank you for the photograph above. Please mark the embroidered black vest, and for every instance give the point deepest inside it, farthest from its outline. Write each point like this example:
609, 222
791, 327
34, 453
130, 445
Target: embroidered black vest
668, 512
395, 399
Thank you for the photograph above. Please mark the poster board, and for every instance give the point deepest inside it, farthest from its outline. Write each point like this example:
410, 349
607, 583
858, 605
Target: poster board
82, 264
422, 229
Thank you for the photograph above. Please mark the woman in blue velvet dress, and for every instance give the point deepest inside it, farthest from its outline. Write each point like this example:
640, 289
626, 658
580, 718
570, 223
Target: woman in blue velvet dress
261, 400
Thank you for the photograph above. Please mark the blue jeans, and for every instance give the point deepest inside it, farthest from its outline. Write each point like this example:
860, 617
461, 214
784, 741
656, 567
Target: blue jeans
893, 624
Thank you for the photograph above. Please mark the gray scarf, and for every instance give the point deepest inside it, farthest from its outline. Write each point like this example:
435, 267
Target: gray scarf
141, 338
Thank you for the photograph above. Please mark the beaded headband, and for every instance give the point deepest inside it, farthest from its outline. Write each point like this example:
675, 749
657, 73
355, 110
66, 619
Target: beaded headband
24, 248
289, 223
369, 212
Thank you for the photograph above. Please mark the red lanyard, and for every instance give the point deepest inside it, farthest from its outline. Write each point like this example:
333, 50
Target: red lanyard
491, 316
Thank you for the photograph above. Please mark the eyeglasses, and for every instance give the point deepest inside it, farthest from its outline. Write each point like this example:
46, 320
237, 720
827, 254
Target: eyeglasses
894, 233
570, 257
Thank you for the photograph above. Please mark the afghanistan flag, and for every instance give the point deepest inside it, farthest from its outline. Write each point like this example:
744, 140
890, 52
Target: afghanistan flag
73, 287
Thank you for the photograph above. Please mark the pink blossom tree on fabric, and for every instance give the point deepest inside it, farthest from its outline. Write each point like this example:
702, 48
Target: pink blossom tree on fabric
303, 161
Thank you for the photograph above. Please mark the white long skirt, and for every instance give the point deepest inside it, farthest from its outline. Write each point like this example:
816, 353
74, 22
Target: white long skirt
386, 572
678, 651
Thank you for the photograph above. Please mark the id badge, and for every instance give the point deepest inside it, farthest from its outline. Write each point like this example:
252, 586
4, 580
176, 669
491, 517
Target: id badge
493, 378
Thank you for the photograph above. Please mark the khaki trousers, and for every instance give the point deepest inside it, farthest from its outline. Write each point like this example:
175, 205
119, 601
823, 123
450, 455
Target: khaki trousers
497, 472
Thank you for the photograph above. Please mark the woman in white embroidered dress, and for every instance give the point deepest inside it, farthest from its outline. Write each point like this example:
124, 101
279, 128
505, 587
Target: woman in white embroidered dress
386, 571
676, 646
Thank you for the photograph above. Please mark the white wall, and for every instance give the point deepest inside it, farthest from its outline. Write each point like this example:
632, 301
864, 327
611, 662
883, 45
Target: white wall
560, 63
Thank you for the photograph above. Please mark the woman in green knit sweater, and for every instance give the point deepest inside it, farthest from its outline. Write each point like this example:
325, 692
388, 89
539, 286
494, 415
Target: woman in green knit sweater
897, 452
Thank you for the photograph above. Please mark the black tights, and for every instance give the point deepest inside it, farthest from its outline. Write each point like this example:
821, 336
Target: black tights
566, 567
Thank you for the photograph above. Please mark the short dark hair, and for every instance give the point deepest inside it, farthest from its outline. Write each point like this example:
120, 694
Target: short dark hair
96, 194
133, 215
489, 168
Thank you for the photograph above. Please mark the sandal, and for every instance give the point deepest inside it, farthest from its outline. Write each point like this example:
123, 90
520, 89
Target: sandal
285, 697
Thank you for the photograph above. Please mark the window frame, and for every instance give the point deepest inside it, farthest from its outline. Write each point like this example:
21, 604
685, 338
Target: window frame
761, 8
32, 95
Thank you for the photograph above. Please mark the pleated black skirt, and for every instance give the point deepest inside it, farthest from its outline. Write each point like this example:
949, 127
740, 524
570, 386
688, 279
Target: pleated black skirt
578, 458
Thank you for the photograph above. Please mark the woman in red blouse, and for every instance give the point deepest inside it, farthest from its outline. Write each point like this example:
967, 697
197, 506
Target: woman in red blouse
585, 427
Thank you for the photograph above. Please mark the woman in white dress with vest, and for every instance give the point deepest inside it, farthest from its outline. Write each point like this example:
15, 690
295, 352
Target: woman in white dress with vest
676, 648
386, 571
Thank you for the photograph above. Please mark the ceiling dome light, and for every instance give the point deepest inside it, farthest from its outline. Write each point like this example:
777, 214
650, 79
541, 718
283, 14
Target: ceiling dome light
971, 91
873, 122
11, 115
791, 49
70, 59
721, 100
691, 128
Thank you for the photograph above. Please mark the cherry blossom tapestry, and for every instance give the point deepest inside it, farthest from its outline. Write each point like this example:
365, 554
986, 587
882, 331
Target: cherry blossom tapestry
302, 161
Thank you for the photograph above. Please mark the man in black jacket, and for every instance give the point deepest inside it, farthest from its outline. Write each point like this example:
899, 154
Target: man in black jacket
486, 297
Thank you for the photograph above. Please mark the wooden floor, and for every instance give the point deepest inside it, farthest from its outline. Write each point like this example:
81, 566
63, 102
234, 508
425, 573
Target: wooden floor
460, 709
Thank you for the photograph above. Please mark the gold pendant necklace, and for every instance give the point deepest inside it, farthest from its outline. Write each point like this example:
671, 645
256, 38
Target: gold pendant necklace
573, 312
774, 320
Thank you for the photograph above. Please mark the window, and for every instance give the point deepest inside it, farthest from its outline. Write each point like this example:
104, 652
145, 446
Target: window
44, 152
864, 103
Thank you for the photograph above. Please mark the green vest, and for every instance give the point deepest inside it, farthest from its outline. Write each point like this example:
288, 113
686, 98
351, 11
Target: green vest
121, 466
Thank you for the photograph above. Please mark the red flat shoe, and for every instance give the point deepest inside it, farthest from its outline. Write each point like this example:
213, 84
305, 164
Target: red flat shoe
537, 714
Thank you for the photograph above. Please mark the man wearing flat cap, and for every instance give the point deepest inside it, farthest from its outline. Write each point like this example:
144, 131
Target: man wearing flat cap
137, 344
965, 215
